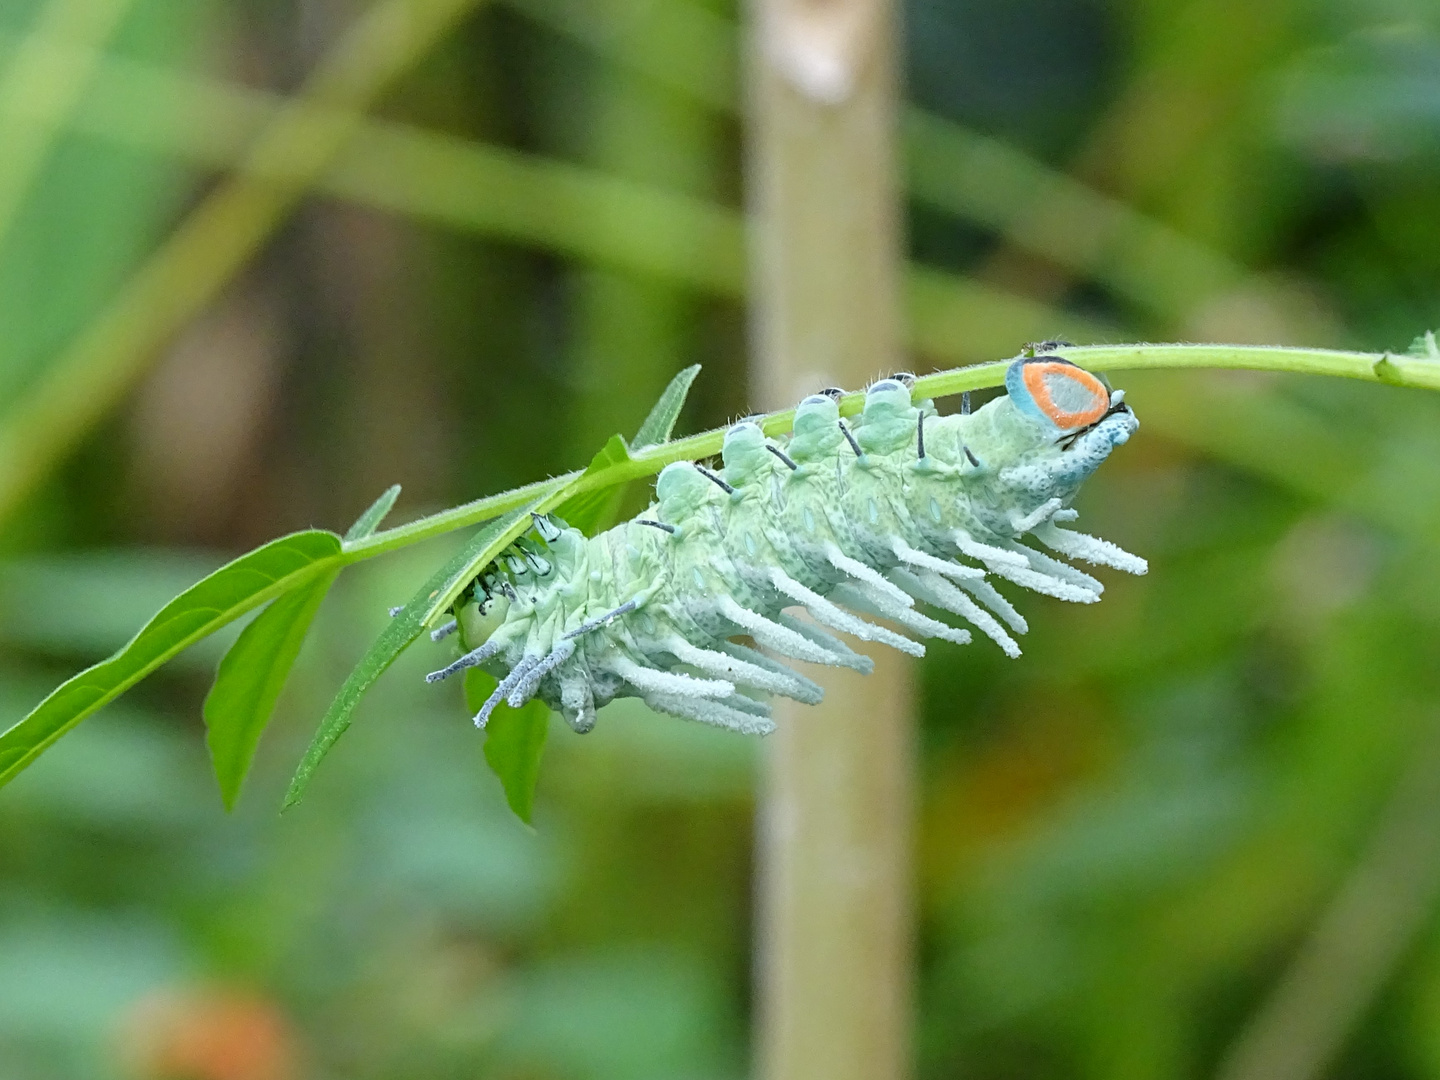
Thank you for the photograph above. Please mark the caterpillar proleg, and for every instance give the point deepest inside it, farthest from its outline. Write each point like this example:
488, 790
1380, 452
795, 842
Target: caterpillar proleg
898, 506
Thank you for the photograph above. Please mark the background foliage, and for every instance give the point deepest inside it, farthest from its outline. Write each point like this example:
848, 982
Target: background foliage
1130, 838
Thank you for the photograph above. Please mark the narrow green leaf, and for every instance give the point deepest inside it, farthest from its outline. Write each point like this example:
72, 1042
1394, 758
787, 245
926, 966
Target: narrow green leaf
250, 679
514, 742
199, 611
661, 421
404, 628
595, 510
370, 520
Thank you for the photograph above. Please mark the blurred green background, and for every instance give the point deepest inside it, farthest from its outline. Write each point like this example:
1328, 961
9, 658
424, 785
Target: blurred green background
1216, 783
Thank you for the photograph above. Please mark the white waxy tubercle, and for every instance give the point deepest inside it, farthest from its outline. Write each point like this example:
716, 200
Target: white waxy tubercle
1091, 549
828, 614
906, 554
653, 680
934, 589
725, 665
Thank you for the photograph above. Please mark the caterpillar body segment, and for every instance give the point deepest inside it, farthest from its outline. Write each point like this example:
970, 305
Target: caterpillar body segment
894, 508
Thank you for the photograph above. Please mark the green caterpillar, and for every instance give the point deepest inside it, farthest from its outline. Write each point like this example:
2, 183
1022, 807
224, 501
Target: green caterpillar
841, 520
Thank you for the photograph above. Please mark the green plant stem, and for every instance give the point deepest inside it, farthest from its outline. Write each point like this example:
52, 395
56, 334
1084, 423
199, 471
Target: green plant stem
1392, 369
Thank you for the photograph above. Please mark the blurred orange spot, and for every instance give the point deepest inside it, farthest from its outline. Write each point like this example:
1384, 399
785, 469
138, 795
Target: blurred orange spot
210, 1035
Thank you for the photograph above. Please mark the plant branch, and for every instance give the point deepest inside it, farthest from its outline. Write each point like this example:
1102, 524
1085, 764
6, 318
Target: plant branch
1389, 368
1394, 369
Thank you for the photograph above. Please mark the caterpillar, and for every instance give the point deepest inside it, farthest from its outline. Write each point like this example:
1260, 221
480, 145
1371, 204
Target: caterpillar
843, 520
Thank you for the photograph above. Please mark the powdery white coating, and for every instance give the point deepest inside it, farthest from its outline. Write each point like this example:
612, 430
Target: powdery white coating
649, 612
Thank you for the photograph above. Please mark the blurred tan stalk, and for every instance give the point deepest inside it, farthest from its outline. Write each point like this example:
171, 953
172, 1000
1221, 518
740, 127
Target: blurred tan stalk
834, 969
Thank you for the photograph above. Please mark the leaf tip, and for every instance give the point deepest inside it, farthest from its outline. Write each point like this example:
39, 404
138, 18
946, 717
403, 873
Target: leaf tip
661, 421
370, 520
293, 795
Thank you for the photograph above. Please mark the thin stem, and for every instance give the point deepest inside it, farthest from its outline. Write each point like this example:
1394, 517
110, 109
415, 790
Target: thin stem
457, 517
1394, 370
1390, 368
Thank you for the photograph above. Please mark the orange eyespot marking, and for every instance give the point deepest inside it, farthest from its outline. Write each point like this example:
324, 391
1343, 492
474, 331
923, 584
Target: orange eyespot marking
1068, 395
